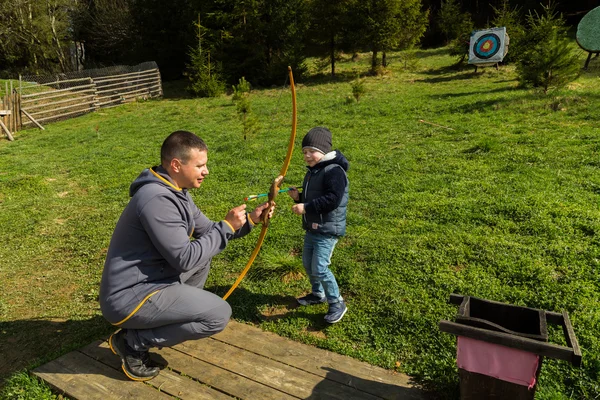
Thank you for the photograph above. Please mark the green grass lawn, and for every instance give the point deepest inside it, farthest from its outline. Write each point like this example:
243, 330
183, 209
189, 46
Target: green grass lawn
499, 200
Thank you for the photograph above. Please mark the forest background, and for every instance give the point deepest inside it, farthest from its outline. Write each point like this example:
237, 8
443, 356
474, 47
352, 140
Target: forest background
256, 39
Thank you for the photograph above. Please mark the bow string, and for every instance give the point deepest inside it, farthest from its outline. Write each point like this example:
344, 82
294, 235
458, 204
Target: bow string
275, 185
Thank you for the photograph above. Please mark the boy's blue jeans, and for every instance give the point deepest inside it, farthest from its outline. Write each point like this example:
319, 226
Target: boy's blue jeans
316, 258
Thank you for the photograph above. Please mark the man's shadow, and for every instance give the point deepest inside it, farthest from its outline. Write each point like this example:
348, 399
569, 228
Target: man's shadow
329, 388
256, 307
25, 344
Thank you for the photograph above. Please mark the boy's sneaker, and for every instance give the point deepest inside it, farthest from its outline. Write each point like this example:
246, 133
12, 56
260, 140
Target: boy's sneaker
336, 312
311, 299
134, 363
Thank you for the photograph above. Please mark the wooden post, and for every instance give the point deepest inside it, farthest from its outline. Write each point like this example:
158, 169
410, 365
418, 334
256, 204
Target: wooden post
4, 118
587, 62
18, 111
32, 120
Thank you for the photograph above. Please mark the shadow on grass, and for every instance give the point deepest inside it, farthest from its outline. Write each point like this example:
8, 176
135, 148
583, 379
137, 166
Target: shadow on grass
448, 78
463, 94
440, 51
175, 90
28, 343
329, 388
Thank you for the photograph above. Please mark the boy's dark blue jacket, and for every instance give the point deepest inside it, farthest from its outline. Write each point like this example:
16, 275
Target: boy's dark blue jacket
325, 195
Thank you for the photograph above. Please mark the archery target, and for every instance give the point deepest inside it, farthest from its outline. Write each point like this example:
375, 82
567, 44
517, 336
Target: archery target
487, 46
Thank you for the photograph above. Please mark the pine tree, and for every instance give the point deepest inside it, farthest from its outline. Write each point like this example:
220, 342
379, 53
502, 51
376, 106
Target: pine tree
504, 16
457, 27
549, 61
204, 74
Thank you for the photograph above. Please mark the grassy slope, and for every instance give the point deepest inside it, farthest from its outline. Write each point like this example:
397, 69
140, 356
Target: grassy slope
504, 206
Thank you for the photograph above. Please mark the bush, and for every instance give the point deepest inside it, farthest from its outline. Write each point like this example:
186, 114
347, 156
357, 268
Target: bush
550, 62
204, 75
358, 88
241, 98
457, 26
241, 89
511, 19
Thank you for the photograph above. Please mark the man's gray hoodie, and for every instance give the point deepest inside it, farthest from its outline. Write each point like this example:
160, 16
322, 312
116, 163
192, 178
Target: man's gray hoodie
161, 239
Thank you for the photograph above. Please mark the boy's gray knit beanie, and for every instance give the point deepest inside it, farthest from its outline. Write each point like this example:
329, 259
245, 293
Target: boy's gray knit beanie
318, 138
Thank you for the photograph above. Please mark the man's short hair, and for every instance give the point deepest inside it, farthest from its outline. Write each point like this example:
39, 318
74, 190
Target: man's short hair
178, 145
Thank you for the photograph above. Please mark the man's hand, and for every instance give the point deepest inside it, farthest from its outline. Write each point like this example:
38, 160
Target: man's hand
294, 193
298, 209
237, 217
256, 214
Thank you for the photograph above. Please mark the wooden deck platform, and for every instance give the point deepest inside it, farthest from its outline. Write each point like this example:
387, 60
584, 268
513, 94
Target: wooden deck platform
241, 362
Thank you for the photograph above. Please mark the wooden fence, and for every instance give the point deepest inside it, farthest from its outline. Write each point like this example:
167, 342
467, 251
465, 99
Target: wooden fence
67, 98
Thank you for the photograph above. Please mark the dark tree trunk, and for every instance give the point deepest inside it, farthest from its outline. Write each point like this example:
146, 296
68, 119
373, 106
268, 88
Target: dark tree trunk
332, 55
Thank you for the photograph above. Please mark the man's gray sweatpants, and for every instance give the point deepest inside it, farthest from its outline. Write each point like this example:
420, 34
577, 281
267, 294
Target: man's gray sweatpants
178, 313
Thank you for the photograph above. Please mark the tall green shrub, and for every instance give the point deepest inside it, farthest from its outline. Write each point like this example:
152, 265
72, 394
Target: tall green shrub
204, 75
241, 98
457, 27
548, 61
511, 19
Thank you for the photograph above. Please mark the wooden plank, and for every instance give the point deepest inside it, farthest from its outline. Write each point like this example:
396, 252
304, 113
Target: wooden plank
167, 381
56, 82
132, 82
508, 340
215, 376
5, 112
343, 369
71, 93
53, 117
279, 376
32, 119
5, 129
127, 89
112, 77
52, 91
80, 377
69, 107
571, 339
76, 97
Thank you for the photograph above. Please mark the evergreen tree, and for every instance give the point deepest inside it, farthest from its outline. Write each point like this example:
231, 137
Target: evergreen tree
390, 24
457, 27
504, 16
204, 74
258, 39
548, 61
330, 24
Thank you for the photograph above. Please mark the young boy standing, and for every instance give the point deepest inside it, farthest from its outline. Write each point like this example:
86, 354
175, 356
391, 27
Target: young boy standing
322, 205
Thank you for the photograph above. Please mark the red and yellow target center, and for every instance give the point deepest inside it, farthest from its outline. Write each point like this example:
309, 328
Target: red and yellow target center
485, 46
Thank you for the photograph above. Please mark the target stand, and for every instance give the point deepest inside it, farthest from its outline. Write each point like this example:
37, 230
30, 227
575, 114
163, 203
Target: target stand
588, 34
488, 47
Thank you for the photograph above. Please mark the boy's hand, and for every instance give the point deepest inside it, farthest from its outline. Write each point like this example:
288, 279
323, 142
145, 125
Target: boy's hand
256, 214
294, 194
298, 209
236, 217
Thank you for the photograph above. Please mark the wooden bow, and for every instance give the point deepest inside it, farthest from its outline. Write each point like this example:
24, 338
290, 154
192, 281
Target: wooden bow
273, 191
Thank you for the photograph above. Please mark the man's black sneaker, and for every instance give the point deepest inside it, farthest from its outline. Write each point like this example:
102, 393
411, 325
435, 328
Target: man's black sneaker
135, 364
336, 312
311, 299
